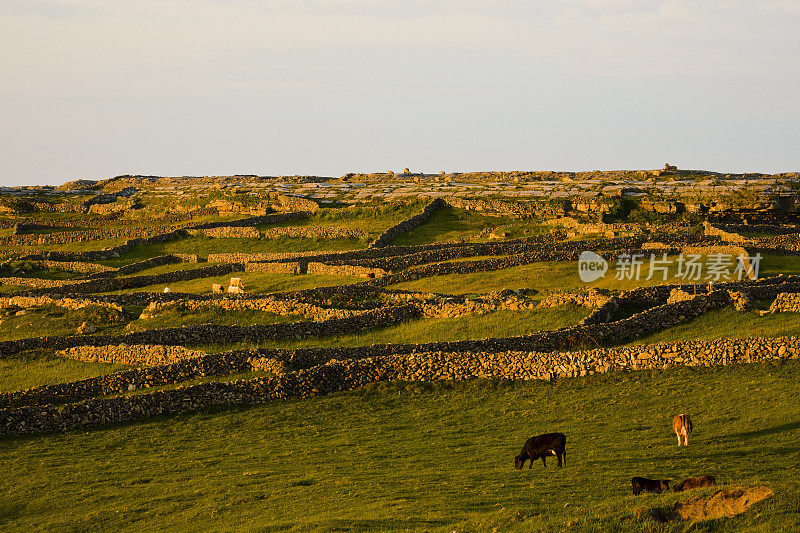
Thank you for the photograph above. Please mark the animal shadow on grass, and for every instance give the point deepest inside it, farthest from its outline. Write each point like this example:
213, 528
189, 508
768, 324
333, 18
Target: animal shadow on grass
382, 524
783, 428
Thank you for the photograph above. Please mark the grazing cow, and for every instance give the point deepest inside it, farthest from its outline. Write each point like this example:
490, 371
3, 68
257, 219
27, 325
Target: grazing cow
642, 484
695, 483
541, 446
166, 290
682, 425
216, 288
237, 282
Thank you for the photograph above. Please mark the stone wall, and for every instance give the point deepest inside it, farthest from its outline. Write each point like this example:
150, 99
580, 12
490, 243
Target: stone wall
73, 266
339, 375
758, 228
273, 267
786, 302
410, 223
134, 282
84, 235
266, 304
216, 334
230, 232
726, 236
124, 354
316, 232
66, 303
35, 283
272, 218
344, 270
497, 207
145, 264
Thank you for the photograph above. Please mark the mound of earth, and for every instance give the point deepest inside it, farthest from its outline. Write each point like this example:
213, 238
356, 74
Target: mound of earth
723, 503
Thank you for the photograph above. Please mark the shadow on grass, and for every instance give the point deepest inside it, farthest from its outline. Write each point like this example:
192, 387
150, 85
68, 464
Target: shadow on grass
783, 428
381, 524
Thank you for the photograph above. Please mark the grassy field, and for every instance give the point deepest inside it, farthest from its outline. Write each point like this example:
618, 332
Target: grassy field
424, 457
31, 369
51, 320
729, 323
203, 246
563, 275
452, 224
254, 282
372, 219
496, 324
402, 456
172, 317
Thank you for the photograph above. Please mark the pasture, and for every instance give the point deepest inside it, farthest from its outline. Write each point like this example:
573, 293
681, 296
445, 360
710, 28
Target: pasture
387, 454
436, 457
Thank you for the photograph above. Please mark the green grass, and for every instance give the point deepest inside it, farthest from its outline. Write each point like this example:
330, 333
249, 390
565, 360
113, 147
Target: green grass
372, 219
496, 324
254, 282
51, 320
172, 317
772, 265
423, 457
729, 323
563, 275
203, 246
34, 368
452, 224
29, 269
161, 269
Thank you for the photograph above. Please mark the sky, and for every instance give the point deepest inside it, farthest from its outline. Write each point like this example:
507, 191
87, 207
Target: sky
97, 88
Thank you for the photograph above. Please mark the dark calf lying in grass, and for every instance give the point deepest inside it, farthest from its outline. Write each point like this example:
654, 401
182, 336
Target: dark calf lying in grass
541, 446
642, 484
695, 483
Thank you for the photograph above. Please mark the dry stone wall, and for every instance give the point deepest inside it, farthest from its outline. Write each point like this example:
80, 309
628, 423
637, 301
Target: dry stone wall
215, 334
266, 304
117, 284
344, 270
339, 375
74, 266
35, 283
500, 208
84, 236
758, 228
229, 232
66, 303
786, 302
407, 225
124, 354
316, 232
273, 267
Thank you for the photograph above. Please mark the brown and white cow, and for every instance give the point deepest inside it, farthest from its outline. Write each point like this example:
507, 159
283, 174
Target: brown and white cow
682, 425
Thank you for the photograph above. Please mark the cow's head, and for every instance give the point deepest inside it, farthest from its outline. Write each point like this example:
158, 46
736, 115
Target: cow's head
518, 462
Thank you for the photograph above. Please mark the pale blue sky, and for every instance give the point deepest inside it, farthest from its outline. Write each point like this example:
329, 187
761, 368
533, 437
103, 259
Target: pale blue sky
97, 88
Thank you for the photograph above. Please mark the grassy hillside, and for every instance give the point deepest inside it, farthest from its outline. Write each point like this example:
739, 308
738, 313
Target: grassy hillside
436, 457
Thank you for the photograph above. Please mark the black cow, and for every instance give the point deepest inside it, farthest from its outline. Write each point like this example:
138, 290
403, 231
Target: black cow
695, 483
541, 446
642, 484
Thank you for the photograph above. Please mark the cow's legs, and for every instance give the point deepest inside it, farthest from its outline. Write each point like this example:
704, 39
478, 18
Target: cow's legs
558, 456
564, 455
679, 438
544, 462
685, 438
